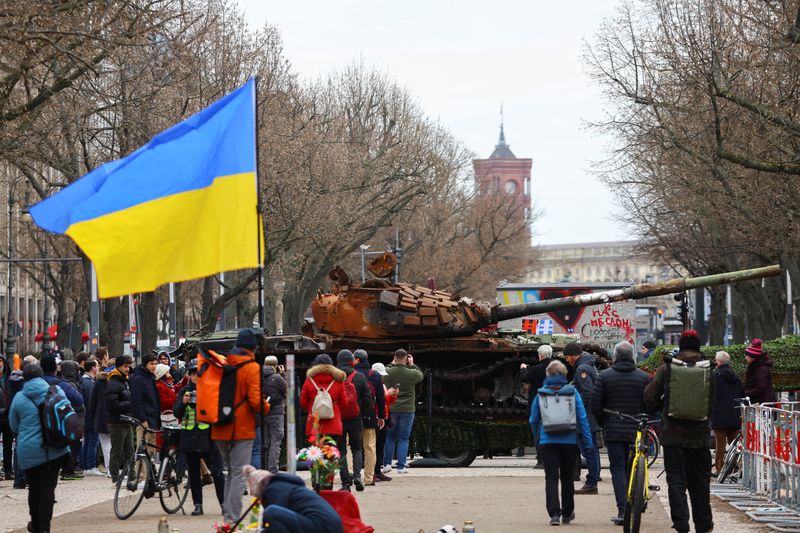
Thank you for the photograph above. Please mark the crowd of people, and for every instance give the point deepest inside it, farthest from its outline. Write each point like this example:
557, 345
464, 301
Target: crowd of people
627, 389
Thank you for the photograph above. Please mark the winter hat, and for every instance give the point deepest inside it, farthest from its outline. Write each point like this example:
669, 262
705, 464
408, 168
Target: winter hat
32, 371
573, 348
689, 340
246, 339
322, 359
361, 354
49, 364
146, 358
271, 360
380, 368
344, 356
161, 371
70, 370
755, 349
122, 360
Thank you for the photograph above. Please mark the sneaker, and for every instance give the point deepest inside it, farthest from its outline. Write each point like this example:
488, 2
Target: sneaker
402, 470
568, 519
587, 489
198, 510
207, 479
555, 520
93, 472
70, 476
618, 520
359, 485
386, 469
381, 477
345, 488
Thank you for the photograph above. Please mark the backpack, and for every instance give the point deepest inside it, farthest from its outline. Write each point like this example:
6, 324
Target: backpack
351, 410
216, 388
557, 411
689, 386
323, 403
61, 425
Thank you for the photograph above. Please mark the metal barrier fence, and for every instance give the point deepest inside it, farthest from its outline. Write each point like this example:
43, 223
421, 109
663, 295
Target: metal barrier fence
771, 451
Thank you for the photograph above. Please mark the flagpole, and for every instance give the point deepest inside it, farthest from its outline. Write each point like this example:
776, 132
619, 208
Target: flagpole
259, 211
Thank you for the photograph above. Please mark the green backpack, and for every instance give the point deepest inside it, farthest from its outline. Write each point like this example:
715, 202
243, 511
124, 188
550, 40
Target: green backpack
689, 390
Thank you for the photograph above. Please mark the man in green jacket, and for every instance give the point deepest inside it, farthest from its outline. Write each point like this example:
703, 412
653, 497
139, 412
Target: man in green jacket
402, 374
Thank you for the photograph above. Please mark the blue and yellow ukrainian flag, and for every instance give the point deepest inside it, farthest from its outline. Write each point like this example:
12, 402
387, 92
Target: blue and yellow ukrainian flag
182, 206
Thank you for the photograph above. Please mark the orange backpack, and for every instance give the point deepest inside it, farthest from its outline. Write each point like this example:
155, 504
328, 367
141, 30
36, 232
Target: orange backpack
216, 388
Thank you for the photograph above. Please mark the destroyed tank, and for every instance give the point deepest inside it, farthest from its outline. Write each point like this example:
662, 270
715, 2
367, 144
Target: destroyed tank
471, 400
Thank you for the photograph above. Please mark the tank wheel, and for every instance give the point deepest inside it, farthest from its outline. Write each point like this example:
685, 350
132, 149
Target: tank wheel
456, 458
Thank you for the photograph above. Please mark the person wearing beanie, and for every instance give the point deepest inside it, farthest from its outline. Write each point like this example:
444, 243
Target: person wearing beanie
117, 399
687, 457
274, 422
403, 375
40, 463
353, 428
373, 419
758, 376
234, 440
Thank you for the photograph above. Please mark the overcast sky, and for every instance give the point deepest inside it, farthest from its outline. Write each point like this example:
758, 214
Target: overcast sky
461, 59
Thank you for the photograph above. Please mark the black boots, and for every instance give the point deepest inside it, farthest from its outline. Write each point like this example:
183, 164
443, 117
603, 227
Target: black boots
198, 510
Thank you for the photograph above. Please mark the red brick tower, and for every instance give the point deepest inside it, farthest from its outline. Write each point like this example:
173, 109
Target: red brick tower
505, 173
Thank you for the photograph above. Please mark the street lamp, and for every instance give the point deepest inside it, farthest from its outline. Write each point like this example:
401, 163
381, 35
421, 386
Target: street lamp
363, 248
46, 339
11, 339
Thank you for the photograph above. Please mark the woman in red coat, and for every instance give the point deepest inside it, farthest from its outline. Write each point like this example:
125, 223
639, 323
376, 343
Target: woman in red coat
320, 376
166, 391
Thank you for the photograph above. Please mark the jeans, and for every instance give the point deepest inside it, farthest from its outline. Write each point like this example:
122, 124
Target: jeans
105, 445
689, 469
235, 455
255, 456
89, 450
214, 462
276, 431
399, 433
42, 481
559, 462
351, 436
592, 456
121, 448
618, 453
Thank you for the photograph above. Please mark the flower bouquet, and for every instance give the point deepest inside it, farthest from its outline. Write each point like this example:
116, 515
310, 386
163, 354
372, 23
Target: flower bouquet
322, 458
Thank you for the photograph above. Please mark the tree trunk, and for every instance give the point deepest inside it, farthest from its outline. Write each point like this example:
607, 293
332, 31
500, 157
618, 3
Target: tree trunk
148, 309
716, 323
113, 321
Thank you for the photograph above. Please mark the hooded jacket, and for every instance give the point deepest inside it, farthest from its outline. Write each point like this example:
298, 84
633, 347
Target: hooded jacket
375, 386
26, 423
276, 390
725, 409
145, 405
166, 394
675, 432
70, 391
86, 387
247, 401
758, 380
324, 375
620, 388
583, 379
97, 410
365, 403
291, 506
551, 385
117, 397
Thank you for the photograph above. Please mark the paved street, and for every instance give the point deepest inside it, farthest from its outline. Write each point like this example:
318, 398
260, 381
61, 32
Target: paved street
500, 495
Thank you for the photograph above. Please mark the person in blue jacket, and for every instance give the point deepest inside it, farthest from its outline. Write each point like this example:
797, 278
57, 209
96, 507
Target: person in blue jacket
559, 451
40, 463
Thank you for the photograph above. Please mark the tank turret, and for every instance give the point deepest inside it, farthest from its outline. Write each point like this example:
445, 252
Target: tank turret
380, 309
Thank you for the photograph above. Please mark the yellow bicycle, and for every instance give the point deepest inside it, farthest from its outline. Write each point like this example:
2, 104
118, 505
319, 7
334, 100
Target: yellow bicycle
639, 482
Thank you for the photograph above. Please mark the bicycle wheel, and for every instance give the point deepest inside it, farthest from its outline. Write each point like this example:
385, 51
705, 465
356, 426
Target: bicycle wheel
732, 457
130, 487
172, 484
636, 500
653, 446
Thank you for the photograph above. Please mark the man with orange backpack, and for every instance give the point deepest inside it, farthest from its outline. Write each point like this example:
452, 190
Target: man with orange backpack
234, 439
359, 401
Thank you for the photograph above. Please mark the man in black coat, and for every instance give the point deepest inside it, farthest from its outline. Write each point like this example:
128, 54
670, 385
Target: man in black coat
726, 418
584, 377
620, 388
145, 404
372, 419
353, 427
118, 403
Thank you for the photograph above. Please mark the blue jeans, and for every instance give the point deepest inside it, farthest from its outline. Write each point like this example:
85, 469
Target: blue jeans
91, 441
255, 459
399, 432
592, 457
618, 459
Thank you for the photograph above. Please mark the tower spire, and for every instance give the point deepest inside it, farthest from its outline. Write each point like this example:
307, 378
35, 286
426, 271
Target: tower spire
502, 141
502, 150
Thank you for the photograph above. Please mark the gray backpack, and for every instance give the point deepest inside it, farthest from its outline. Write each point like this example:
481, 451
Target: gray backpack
557, 411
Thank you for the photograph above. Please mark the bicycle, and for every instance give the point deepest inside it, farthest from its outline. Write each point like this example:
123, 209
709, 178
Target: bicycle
638, 484
733, 453
139, 480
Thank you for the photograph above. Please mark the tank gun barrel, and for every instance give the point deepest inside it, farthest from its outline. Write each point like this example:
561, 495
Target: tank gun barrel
634, 292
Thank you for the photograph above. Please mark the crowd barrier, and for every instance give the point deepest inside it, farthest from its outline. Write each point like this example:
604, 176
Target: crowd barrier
770, 451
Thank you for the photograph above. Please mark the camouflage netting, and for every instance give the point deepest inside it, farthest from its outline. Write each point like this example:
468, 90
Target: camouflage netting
455, 435
784, 352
